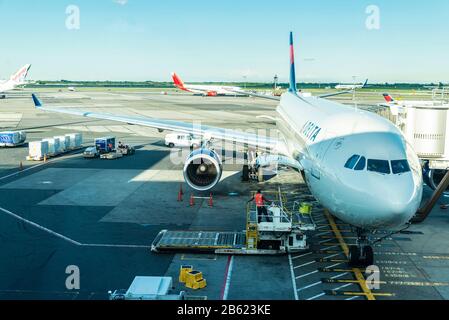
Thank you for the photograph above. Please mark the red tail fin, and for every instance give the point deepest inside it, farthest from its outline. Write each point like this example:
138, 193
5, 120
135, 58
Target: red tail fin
178, 82
388, 98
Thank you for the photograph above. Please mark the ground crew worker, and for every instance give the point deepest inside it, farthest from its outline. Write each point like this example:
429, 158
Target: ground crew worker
262, 212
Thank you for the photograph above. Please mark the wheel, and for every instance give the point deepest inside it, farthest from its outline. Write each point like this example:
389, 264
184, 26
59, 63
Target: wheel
171, 145
368, 253
354, 256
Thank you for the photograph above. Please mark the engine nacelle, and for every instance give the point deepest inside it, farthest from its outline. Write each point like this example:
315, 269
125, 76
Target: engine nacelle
203, 169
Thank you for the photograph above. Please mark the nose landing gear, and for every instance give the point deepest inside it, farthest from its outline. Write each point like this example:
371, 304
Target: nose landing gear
362, 254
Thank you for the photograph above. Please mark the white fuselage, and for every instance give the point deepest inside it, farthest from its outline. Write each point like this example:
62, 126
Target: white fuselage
323, 135
219, 90
348, 86
8, 85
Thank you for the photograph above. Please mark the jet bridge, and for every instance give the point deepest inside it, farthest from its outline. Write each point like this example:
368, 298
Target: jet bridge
426, 126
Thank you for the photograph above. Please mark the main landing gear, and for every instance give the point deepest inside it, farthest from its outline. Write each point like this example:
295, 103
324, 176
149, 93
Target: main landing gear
362, 254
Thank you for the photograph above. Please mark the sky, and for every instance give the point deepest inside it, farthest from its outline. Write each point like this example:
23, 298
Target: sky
139, 40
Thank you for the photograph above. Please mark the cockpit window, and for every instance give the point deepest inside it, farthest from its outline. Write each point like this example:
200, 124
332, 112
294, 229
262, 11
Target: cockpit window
361, 164
400, 166
379, 166
352, 161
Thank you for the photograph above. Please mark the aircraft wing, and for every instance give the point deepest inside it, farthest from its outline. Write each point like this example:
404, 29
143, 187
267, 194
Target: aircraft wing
207, 132
257, 95
332, 94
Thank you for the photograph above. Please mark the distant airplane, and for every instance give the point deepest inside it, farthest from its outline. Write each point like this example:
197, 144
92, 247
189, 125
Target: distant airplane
439, 86
72, 89
351, 86
209, 91
16, 80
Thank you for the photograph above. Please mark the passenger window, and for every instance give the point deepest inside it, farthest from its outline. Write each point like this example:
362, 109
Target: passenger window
361, 164
379, 166
352, 161
400, 166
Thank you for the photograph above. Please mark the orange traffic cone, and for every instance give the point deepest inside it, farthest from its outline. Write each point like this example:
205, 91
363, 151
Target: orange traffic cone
45, 158
211, 201
179, 196
180, 189
192, 201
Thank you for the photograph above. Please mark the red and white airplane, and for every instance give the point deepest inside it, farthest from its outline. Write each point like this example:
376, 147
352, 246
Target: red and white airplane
208, 91
16, 80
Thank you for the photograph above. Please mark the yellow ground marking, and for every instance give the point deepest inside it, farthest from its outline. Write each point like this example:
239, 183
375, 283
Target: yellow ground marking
358, 274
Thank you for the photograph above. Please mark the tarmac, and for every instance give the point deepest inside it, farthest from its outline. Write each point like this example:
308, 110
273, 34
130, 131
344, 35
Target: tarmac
102, 216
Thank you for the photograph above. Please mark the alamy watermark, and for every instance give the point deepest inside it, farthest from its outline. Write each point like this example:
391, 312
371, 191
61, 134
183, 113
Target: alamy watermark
73, 281
372, 22
73, 17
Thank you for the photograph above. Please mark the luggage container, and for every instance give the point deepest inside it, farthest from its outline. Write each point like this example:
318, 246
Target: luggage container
64, 143
38, 150
75, 141
12, 138
53, 146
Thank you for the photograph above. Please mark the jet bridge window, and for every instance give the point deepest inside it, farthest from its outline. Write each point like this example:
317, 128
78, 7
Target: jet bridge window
352, 161
400, 166
379, 166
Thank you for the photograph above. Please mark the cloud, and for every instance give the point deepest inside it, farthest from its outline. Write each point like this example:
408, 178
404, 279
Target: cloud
121, 2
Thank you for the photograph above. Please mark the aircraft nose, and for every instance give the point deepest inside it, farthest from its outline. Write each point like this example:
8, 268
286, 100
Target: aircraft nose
401, 200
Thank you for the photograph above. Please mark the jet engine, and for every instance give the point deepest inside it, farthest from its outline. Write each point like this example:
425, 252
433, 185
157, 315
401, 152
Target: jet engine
203, 169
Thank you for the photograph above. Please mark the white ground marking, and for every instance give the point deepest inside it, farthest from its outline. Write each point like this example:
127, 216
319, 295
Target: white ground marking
322, 294
67, 239
301, 256
37, 166
292, 272
320, 282
316, 271
228, 279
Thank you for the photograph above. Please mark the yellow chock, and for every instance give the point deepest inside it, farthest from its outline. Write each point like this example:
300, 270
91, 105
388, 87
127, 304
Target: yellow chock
305, 208
183, 273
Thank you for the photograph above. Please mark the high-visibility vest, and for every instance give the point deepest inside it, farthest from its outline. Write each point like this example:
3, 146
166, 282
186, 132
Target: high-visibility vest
259, 200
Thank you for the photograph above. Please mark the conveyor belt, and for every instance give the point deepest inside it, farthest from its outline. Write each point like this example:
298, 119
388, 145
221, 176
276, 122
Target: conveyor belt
198, 240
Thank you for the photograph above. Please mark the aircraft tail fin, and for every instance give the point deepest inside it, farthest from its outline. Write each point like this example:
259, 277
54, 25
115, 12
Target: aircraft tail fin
178, 82
20, 76
365, 84
292, 87
388, 98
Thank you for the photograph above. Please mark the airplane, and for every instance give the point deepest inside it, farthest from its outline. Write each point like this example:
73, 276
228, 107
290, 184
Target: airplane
209, 91
16, 80
357, 164
351, 86
399, 106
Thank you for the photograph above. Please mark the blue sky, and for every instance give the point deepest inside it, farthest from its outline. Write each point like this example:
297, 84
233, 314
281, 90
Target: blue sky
226, 40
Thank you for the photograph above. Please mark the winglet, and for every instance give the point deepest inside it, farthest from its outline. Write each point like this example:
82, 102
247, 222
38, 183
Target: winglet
292, 87
37, 102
